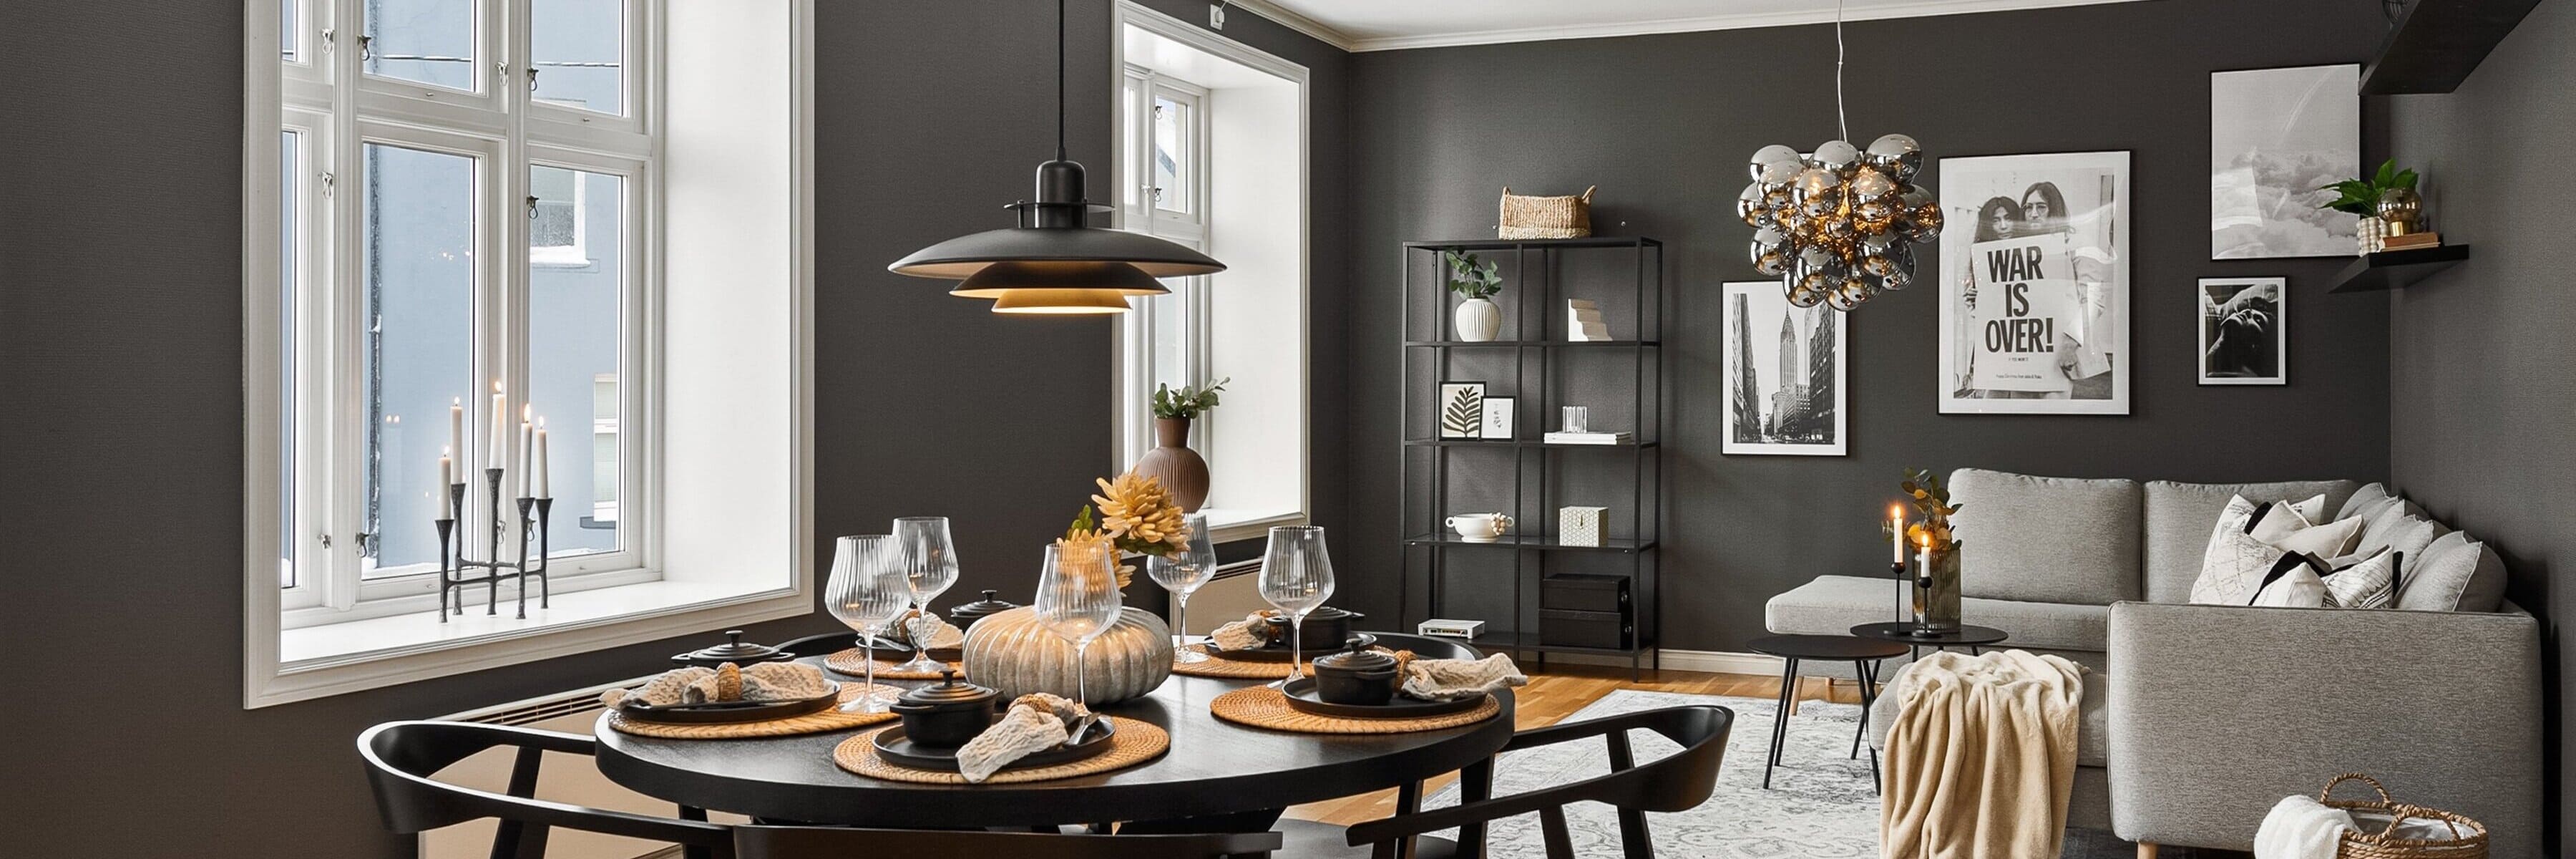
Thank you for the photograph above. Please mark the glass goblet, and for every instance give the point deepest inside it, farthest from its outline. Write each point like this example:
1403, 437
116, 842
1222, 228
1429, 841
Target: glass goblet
1182, 574
866, 591
1296, 577
1078, 600
930, 567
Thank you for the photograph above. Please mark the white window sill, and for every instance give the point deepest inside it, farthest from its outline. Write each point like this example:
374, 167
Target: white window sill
1228, 525
331, 659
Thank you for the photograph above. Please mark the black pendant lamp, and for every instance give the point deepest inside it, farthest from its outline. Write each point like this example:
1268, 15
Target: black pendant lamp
1050, 263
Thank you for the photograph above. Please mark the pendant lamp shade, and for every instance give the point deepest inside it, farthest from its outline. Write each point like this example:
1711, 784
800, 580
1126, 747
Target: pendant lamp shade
1052, 262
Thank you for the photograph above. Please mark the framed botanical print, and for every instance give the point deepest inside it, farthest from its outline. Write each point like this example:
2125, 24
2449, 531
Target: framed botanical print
1462, 410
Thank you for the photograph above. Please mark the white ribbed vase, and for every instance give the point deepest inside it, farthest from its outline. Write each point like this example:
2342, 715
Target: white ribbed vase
1012, 652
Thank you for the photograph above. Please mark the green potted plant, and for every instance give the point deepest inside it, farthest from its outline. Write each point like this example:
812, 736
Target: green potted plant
1172, 463
2389, 192
1477, 281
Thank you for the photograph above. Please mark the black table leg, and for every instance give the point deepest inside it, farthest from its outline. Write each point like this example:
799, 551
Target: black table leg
1860, 671
1868, 696
1780, 718
1475, 784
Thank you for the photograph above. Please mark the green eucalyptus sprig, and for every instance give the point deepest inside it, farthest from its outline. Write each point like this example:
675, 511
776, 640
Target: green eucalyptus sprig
1472, 277
2361, 196
1188, 401
1932, 499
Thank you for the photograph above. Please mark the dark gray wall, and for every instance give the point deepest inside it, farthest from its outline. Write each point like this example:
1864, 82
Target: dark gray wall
2479, 391
1663, 124
120, 404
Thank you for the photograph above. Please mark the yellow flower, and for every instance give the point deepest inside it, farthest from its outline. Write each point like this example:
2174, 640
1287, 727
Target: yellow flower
1137, 511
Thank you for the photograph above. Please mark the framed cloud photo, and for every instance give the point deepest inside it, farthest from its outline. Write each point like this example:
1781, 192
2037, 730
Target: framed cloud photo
2276, 137
2035, 284
2244, 331
1784, 374
1462, 410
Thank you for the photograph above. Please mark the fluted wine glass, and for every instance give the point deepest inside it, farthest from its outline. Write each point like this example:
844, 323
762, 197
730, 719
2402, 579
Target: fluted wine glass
867, 591
1078, 600
1182, 574
930, 563
1296, 577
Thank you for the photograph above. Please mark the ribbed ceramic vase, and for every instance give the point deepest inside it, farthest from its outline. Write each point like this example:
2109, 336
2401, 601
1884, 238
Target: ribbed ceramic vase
1173, 464
1013, 652
1936, 593
1478, 320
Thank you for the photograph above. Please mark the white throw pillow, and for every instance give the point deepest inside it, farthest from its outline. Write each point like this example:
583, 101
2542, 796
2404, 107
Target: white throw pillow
2273, 520
2368, 496
2297, 586
2456, 574
2237, 566
2313, 509
2366, 583
2283, 524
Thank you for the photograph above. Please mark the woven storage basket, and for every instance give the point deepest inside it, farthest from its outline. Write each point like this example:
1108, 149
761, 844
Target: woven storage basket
2468, 837
1526, 217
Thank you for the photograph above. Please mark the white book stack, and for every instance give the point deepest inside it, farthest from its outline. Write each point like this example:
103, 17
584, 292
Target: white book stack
1583, 321
1561, 437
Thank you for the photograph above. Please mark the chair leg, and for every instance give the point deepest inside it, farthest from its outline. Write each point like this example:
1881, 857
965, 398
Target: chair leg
1551, 823
1408, 800
2146, 850
1475, 784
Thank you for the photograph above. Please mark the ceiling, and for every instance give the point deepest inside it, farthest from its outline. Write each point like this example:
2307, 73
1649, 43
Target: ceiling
1380, 25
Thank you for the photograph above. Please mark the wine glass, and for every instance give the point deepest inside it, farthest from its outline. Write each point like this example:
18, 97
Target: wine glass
867, 591
1297, 577
1182, 574
930, 563
1078, 600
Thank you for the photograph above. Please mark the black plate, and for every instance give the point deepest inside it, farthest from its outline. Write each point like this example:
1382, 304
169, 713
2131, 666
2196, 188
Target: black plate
894, 652
1301, 698
730, 712
1280, 652
895, 749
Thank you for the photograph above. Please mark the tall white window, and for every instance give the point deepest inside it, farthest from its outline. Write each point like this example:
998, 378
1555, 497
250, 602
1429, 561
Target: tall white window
465, 185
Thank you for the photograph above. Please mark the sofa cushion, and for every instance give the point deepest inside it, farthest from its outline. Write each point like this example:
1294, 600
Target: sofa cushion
2179, 516
2092, 726
2046, 539
1832, 605
2368, 494
2456, 574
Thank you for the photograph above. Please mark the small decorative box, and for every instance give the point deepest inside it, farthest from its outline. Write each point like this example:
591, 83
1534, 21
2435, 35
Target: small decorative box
1581, 526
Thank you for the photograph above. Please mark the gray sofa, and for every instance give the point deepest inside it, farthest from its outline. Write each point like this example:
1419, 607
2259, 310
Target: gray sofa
2197, 718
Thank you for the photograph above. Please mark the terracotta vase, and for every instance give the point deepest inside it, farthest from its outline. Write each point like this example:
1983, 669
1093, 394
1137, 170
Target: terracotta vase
1173, 464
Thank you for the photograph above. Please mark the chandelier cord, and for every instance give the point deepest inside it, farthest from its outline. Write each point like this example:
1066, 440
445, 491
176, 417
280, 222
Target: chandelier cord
1059, 80
1840, 119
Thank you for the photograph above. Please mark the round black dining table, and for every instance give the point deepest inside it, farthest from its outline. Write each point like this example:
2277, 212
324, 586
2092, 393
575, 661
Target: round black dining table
1214, 769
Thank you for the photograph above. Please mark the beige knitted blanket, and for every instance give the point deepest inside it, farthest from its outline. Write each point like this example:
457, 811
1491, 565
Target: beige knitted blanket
1981, 757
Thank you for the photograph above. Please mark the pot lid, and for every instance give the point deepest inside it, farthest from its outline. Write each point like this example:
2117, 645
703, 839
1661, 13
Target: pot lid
1357, 658
735, 650
990, 604
949, 692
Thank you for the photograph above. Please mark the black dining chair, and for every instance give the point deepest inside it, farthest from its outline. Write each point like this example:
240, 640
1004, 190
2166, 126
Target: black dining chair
401, 757
1677, 782
832, 842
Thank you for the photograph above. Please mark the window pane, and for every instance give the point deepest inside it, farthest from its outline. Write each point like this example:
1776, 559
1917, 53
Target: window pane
1171, 148
428, 41
579, 48
288, 46
289, 231
574, 315
1128, 144
417, 355
1170, 331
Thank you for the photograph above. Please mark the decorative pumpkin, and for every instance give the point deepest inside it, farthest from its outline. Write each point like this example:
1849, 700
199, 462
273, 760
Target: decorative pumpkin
1013, 652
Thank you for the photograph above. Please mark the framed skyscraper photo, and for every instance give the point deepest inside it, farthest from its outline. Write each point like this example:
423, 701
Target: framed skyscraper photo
1784, 374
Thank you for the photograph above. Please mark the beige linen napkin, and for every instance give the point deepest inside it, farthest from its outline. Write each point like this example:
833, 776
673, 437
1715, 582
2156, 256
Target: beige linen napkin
1453, 679
1036, 722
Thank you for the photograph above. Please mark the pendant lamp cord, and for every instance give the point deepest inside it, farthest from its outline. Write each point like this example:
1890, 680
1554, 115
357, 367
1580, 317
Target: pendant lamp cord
1059, 80
1839, 118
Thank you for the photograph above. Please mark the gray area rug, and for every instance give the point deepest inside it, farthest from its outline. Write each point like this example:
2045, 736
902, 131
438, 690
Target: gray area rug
1820, 805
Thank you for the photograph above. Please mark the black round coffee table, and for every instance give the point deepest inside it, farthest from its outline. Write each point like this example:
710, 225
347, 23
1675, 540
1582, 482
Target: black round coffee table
1901, 632
1862, 653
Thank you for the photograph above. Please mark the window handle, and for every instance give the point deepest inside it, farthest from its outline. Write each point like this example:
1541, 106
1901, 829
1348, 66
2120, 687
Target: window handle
366, 47
326, 540
532, 207
532, 78
327, 44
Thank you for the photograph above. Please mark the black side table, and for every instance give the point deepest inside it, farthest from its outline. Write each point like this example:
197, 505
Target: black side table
1970, 637
1862, 653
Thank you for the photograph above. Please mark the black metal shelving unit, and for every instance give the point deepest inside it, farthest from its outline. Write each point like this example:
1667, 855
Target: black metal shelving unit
1538, 354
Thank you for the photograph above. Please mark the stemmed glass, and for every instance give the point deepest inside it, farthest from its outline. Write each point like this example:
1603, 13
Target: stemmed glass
1297, 577
930, 563
867, 591
1078, 600
1182, 574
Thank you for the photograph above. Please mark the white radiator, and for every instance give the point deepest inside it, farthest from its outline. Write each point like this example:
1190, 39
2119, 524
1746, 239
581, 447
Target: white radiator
1235, 591
562, 778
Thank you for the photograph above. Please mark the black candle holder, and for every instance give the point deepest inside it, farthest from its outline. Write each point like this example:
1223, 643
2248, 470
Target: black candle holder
455, 566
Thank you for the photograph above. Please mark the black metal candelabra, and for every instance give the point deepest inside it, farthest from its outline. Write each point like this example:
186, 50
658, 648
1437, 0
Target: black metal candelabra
454, 563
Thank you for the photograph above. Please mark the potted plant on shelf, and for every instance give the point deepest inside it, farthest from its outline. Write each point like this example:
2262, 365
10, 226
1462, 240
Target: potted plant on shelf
2386, 202
1477, 280
1172, 463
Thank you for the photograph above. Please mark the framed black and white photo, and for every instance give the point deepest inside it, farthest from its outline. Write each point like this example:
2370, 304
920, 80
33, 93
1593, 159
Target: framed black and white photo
2244, 331
2275, 137
2035, 284
1462, 410
1498, 419
1784, 374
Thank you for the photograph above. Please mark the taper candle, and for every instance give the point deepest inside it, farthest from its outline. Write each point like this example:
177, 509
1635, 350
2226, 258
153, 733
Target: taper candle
527, 441
498, 453
455, 431
1896, 533
446, 478
537, 465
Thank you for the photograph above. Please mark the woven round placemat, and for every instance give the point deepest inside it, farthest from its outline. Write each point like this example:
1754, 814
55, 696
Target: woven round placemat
1134, 743
1232, 669
1264, 707
810, 723
853, 663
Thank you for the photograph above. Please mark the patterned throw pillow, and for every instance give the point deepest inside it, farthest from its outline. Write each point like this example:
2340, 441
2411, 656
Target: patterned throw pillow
2294, 584
2237, 565
2366, 583
2283, 524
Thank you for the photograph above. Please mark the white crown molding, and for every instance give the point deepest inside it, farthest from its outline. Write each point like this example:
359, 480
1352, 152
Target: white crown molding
1698, 23
1290, 19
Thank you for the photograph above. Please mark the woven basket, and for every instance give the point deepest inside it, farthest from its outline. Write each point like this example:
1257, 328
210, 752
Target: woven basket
1526, 217
2468, 837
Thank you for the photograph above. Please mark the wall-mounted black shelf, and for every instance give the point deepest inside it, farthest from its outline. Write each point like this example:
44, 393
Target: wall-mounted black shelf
2388, 270
1542, 373
2437, 43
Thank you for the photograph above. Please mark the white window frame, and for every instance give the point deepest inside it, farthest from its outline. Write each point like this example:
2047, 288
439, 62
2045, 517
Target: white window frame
577, 253
506, 131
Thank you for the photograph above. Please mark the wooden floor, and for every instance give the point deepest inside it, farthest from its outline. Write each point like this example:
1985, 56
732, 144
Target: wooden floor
1559, 691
